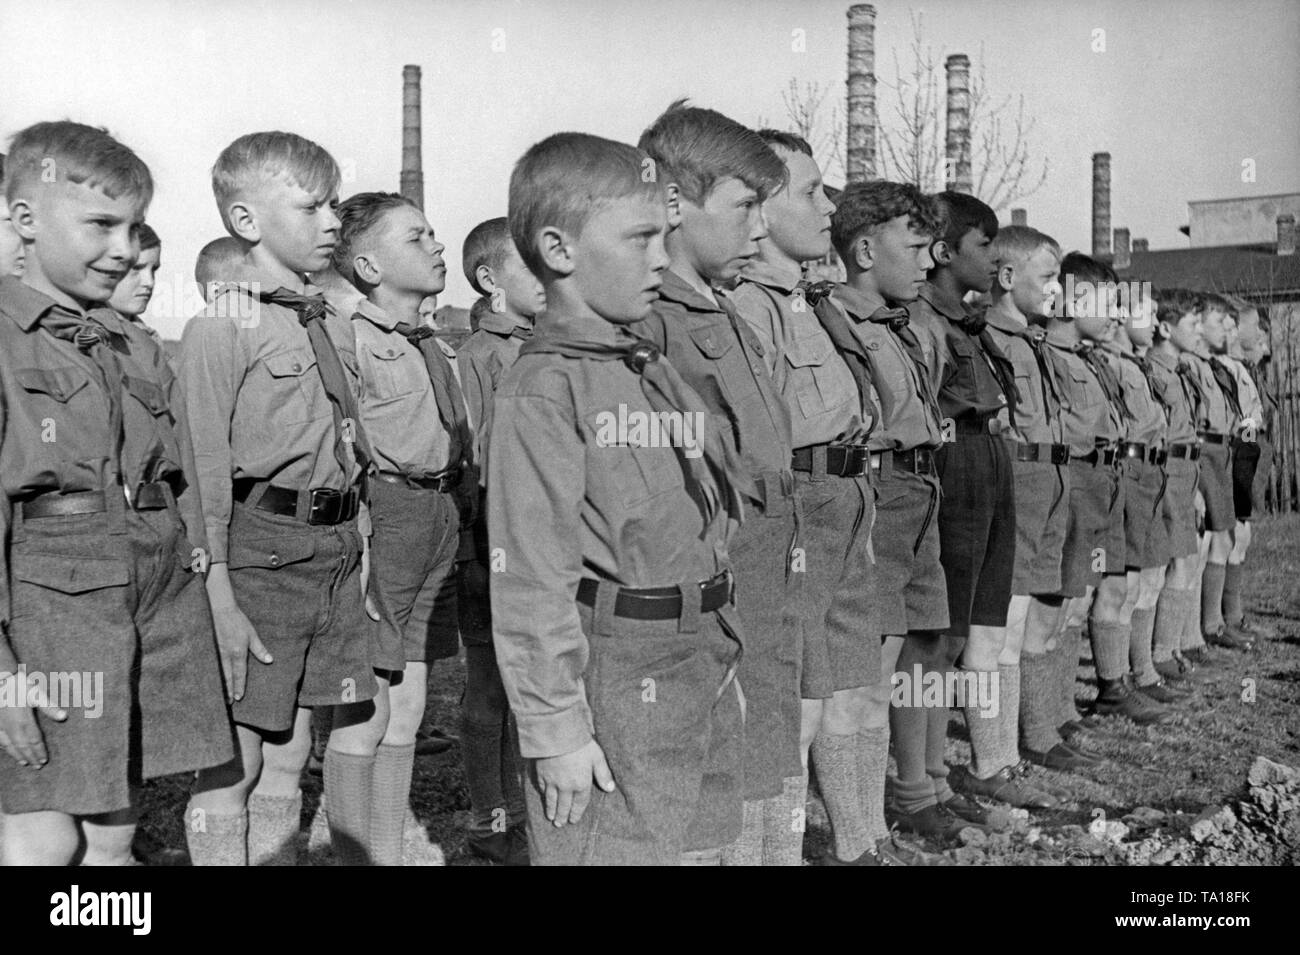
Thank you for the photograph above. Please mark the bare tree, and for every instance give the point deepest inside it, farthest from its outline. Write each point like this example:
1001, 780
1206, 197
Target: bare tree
805, 114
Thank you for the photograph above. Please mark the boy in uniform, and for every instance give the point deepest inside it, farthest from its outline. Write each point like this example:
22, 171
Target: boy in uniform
611, 601
103, 538
131, 297
717, 175
1249, 459
217, 262
489, 741
274, 420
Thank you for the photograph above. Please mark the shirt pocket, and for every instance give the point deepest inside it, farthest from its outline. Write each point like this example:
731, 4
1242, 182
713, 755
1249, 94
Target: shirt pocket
58, 384
1085, 393
712, 342
296, 391
814, 383
148, 394
270, 553
394, 373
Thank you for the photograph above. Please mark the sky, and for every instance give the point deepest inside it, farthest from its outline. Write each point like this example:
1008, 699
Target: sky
1181, 92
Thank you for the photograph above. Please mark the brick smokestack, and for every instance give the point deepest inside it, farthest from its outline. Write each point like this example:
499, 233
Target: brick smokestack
1123, 258
861, 163
957, 173
412, 181
1100, 205
1286, 234
1141, 245
1019, 217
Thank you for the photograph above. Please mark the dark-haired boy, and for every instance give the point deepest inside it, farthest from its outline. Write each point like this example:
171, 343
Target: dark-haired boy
489, 743
108, 672
975, 385
1250, 457
717, 174
274, 420
131, 297
611, 601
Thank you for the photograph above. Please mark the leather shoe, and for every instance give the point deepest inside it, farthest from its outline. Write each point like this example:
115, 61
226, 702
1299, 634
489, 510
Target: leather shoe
1003, 786
1062, 757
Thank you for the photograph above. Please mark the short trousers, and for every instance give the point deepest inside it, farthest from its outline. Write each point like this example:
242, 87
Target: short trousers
838, 602
675, 755
909, 577
106, 610
767, 601
1216, 487
299, 585
413, 558
1245, 462
1090, 549
1178, 508
1042, 494
977, 531
1145, 542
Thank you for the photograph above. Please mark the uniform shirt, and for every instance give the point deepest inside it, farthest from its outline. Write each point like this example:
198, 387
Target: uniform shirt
1086, 413
1148, 424
482, 361
257, 408
1215, 415
399, 410
1032, 425
54, 415
1180, 402
819, 391
907, 418
717, 354
562, 507
1248, 396
961, 371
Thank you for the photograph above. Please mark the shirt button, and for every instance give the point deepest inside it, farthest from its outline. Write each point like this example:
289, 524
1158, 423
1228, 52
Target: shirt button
297, 367
275, 560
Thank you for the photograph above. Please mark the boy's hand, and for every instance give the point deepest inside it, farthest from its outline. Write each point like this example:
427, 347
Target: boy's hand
566, 782
236, 637
20, 736
371, 611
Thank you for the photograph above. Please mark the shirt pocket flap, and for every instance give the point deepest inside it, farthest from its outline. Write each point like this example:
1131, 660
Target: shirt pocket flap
713, 342
272, 552
290, 364
148, 393
1082, 375
963, 347
58, 383
814, 350
384, 352
71, 575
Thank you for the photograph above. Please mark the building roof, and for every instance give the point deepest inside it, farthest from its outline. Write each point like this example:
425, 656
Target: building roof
1255, 273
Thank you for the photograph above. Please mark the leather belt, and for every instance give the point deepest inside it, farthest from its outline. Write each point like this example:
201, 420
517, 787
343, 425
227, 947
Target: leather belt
915, 460
659, 603
1133, 449
1185, 450
842, 460
1055, 453
1212, 437
978, 426
445, 481
323, 505
775, 487
1097, 456
148, 496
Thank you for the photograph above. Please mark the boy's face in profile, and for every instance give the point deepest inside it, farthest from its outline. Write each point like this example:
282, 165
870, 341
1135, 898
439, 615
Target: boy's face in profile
721, 236
619, 257
1214, 330
518, 291
900, 257
1035, 282
972, 262
1094, 319
83, 241
1141, 323
1186, 333
131, 297
299, 229
407, 252
11, 244
799, 216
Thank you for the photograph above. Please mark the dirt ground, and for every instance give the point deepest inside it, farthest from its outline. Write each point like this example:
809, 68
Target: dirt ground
1193, 791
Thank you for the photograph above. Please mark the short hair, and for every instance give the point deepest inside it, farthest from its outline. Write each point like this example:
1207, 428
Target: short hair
148, 238
698, 148
863, 206
488, 243
358, 216
216, 260
259, 157
1085, 268
1206, 301
563, 179
1172, 304
1016, 243
78, 153
791, 142
963, 213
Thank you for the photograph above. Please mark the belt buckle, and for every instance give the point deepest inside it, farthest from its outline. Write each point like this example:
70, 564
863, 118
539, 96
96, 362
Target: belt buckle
1060, 454
858, 460
923, 461
326, 506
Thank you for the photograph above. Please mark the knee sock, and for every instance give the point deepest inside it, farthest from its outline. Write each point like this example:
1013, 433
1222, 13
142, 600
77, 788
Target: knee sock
936, 736
1192, 638
1008, 720
390, 791
216, 840
1110, 649
512, 774
1066, 661
836, 760
1171, 619
873, 767
1039, 692
783, 823
985, 731
748, 849
349, 785
1212, 597
910, 727
273, 823
1233, 611
1139, 646
482, 753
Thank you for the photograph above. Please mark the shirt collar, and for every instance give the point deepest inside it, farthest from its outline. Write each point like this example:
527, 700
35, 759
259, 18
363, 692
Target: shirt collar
375, 315
26, 306
591, 328
858, 303
943, 303
676, 290
1004, 321
1158, 356
782, 277
499, 323
1056, 337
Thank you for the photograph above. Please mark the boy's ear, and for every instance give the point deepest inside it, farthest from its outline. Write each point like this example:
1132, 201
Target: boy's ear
941, 252
1006, 277
674, 197
483, 275
862, 254
553, 247
366, 268
243, 221
24, 221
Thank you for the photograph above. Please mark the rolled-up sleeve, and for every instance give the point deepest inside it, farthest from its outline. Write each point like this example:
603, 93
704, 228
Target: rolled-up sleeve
536, 488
